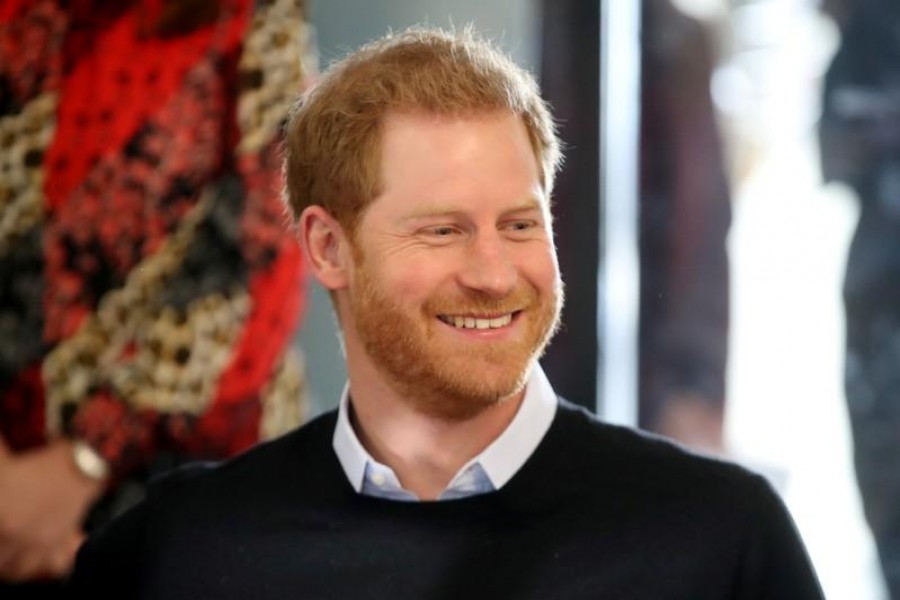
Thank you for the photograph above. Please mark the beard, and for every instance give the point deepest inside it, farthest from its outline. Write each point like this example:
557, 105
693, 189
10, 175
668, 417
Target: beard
442, 377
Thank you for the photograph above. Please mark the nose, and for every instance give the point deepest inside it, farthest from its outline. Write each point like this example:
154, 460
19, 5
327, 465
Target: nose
488, 266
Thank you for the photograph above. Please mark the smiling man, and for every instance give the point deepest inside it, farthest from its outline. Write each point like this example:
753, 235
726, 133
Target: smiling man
419, 172
448, 287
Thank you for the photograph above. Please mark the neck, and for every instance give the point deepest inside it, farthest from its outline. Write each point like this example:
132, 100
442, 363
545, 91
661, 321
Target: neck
424, 451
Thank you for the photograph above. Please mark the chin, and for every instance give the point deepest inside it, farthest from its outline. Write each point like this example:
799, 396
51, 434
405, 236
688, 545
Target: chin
463, 393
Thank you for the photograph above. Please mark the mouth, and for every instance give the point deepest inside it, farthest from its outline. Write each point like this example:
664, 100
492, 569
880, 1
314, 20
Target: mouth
479, 322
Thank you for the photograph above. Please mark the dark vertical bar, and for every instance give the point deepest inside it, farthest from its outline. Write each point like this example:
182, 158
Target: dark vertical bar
570, 76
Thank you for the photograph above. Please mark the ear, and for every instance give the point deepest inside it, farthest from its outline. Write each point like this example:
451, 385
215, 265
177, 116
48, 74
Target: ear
325, 246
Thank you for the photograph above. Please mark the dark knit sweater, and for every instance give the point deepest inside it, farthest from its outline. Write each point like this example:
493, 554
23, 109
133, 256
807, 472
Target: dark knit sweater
598, 511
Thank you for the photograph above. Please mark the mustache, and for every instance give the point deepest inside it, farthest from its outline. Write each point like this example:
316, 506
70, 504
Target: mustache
478, 304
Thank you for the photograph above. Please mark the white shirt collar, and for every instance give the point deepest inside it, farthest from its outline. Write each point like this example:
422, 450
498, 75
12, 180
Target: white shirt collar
500, 460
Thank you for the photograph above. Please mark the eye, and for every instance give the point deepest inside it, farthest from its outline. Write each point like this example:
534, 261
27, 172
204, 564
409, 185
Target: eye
441, 231
521, 228
440, 234
521, 225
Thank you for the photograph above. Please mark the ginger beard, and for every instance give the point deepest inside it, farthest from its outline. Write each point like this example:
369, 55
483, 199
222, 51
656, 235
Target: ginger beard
445, 378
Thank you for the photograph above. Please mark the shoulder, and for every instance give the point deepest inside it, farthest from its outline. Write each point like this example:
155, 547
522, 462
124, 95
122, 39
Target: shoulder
682, 512
638, 478
293, 456
218, 508
641, 464
199, 500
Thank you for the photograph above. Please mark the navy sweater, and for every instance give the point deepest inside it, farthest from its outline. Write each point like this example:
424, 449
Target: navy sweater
597, 512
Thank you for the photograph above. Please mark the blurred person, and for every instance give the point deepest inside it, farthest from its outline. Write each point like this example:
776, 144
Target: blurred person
860, 146
420, 170
148, 285
685, 215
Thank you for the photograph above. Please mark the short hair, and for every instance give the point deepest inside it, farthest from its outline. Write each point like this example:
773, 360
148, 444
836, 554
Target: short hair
333, 132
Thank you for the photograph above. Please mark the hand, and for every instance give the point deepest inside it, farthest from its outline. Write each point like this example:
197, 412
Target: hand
43, 500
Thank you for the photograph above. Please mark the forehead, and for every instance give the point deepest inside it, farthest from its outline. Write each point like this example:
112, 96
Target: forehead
435, 158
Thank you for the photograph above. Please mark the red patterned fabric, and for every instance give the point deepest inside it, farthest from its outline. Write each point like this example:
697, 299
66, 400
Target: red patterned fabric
145, 106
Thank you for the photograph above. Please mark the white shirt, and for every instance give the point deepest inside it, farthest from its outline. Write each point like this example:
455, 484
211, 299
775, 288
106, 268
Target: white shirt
486, 472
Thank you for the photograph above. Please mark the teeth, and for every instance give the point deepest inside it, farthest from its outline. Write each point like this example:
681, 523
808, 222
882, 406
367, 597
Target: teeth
473, 323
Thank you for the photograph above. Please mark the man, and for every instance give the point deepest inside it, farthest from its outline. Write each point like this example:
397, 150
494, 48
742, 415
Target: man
420, 170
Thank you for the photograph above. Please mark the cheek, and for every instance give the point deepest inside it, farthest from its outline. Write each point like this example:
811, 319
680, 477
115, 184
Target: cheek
541, 269
414, 281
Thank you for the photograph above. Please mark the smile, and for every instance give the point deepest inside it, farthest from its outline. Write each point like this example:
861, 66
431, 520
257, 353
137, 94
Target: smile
477, 323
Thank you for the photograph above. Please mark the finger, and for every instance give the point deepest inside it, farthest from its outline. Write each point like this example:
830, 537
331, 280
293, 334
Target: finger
59, 564
24, 566
74, 544
8, 552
